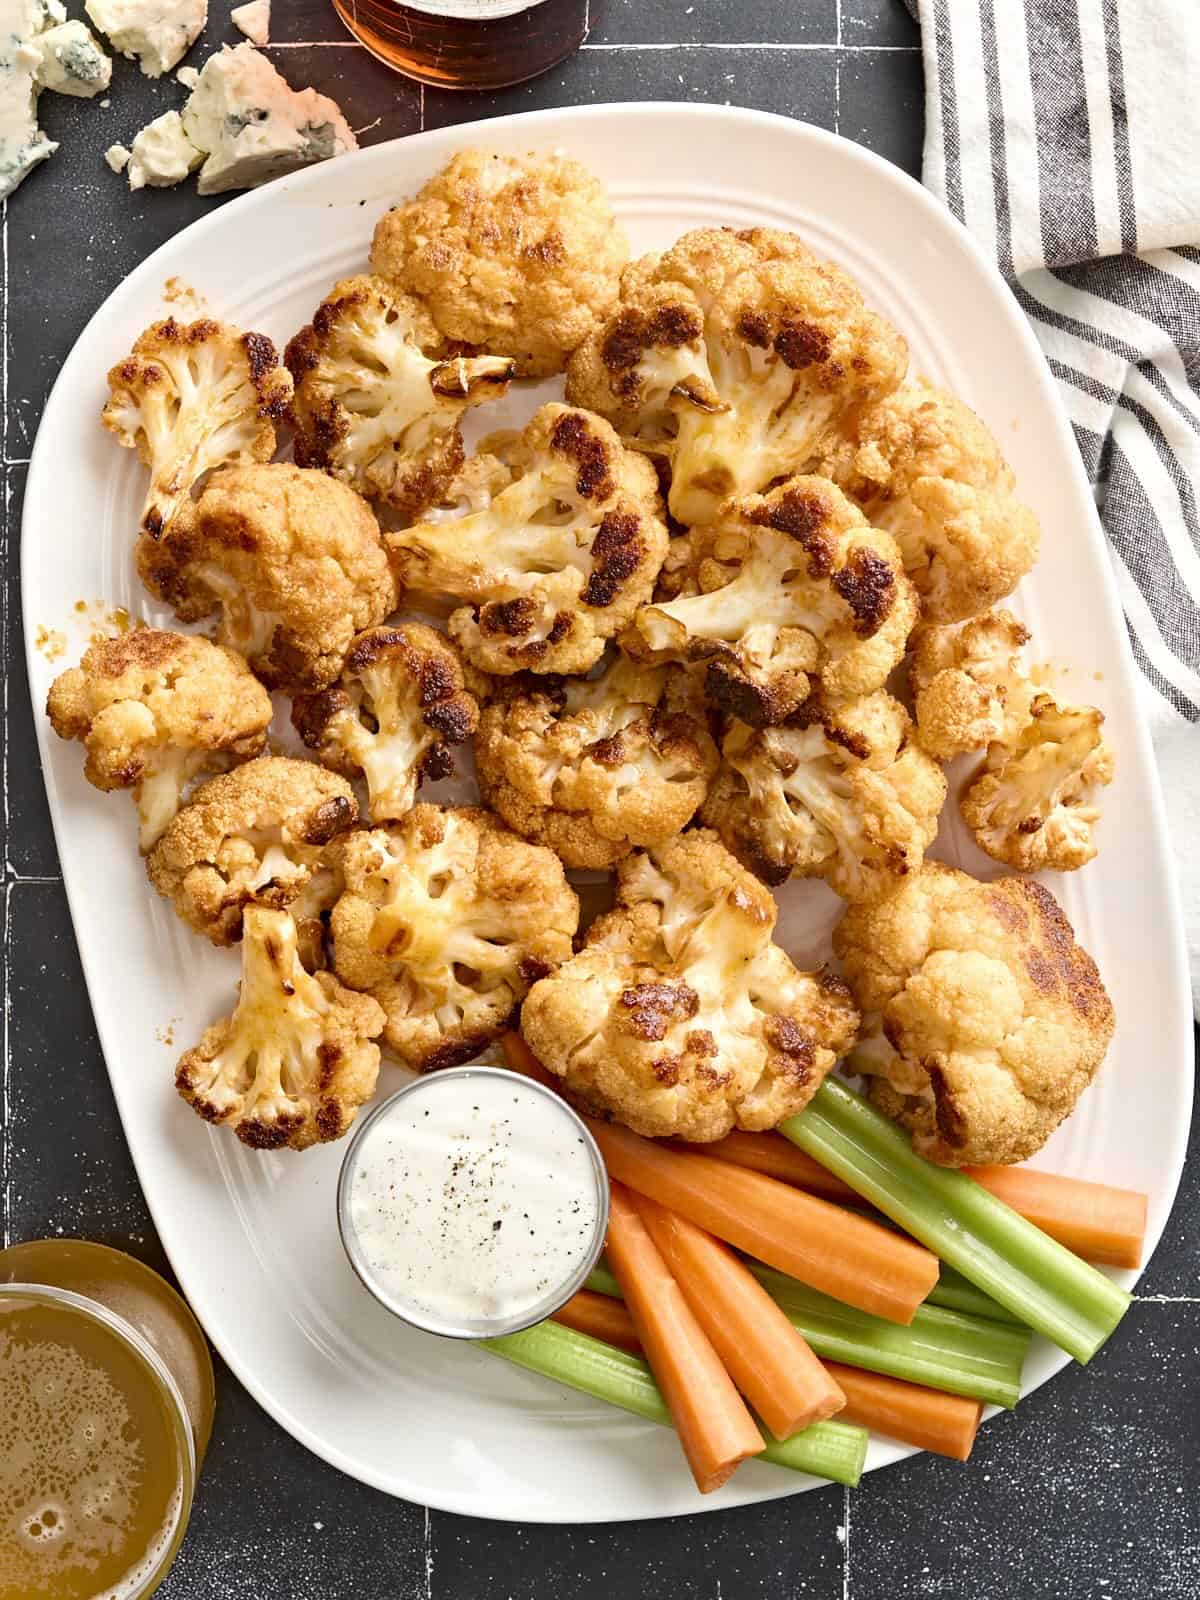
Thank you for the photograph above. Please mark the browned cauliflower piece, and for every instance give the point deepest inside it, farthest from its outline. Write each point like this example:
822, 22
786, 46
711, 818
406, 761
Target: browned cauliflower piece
840, 792
290, 558
788, 592
983, 1019
393, 715
732, 356
153, 710
190, 398
519, 255
680, 1016
295, 1062
550, 564
593, 767
447, 918
969, 684
1033, 806
375, 404
251, 837
925, 468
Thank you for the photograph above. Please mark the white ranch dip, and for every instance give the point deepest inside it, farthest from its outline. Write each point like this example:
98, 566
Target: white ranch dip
473, 1202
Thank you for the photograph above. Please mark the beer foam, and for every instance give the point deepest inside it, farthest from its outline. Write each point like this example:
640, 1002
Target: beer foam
71, 1473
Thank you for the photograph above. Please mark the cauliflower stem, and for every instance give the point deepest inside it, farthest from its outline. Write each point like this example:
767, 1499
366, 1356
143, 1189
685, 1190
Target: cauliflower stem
295, 1061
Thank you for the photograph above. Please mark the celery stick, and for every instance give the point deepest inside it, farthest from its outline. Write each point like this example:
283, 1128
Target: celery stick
955, 1293
834, 1450
942, 1349
601, 1281
1030, 1274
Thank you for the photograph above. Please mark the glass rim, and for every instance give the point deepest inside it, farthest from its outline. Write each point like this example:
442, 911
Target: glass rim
496, 1327
141, 1347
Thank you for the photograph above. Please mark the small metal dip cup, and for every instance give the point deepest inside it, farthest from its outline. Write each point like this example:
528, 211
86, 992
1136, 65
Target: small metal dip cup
480, 1327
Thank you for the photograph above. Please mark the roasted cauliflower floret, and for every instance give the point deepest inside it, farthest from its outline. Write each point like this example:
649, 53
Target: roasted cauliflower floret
393, 715
290, 558
551, 564
251, 837
838, 792
991, 1020
190, 398
789, 592
924, 467
732, 355
970, 685
519, 255
295, 1061
593, 767
153, 710
447, 918
1033, 806
680, 1016
374, 404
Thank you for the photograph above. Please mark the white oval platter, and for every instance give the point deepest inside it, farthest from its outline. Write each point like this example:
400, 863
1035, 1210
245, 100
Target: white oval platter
252, 1237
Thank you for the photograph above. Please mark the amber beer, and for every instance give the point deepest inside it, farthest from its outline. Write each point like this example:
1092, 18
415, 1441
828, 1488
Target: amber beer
468, 44
98, 1441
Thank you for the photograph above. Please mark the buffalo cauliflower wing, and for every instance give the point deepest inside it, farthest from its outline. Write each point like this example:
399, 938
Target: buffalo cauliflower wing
837, 792
985, 1020
153, 710
190, 398
788, 592
295, 1061
551, 563
291, 560
925, 468
1033, 805
732, 356
680, 1016
374, 404
518, 255
393, 715
593, 768
253, 836
969, 684
447, 918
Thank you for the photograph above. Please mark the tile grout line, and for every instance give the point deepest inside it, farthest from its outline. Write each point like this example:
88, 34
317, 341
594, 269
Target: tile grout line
837, 74
5, 1101
789, 48
428, 1552
846, 1497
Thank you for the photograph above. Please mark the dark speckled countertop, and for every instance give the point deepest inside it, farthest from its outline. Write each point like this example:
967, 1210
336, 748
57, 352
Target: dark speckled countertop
1091, 1489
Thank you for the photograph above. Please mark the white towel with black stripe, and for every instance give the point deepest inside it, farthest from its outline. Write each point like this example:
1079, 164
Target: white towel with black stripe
1065, 134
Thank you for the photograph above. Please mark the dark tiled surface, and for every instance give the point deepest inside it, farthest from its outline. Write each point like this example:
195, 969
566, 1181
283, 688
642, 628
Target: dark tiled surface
793, 83
1091, 1490
880, 98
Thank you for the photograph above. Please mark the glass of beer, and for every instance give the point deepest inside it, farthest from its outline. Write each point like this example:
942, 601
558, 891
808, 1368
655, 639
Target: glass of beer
98, 1448
467, 44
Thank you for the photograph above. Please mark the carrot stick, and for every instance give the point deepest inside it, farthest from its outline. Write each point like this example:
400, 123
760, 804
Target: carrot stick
601, 1317
774, 1156
1097, 1222
520, 1058
844, 1255
763, 1353
943, 1423
714, 1426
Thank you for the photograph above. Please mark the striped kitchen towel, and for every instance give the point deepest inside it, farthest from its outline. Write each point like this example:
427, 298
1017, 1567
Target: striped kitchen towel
1065, 134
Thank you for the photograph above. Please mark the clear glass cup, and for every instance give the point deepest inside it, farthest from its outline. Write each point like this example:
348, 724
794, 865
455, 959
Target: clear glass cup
97, 1453
468, 44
